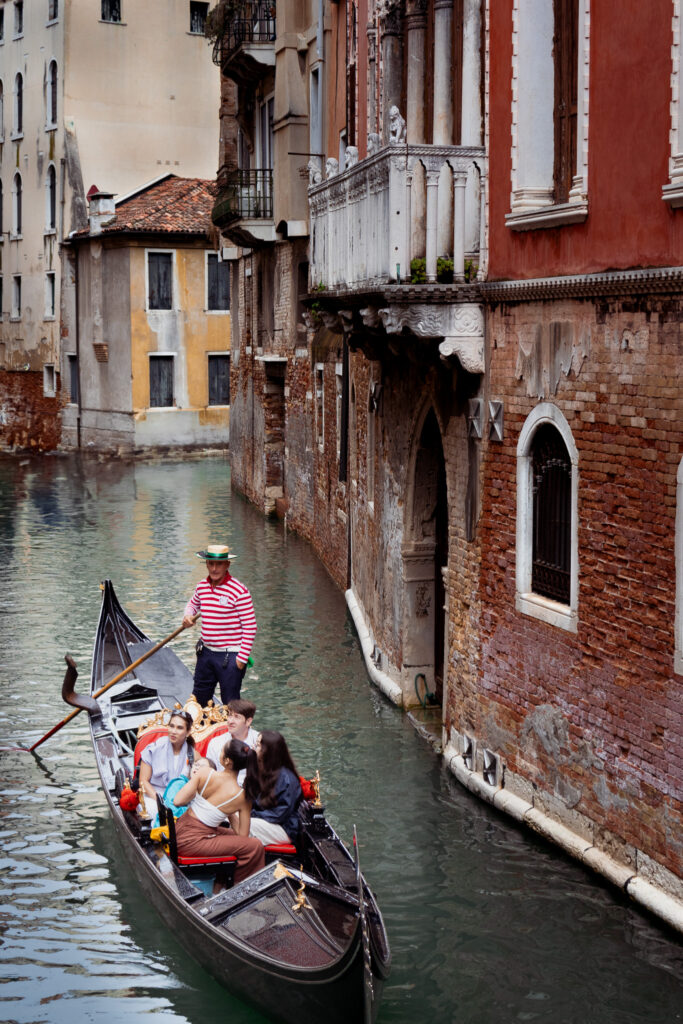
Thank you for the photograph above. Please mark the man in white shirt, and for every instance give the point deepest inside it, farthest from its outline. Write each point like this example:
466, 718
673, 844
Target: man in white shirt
240, 716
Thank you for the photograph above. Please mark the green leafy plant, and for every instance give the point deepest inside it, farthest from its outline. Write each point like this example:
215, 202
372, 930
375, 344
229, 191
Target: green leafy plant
418, 270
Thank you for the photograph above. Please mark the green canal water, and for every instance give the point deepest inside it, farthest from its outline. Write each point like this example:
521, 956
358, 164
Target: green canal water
487, 924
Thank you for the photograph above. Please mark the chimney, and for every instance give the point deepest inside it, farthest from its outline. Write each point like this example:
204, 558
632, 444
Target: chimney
101, 209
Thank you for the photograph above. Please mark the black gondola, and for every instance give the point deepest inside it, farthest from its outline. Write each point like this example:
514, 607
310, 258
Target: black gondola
302, 939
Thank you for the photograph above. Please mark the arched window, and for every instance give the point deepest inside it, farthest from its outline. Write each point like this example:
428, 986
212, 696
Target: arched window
51, 199
547, 519
16, 204
51, 96
18, 126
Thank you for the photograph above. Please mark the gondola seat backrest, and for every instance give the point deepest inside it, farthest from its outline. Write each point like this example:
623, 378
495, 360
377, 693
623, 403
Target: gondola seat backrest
202, 745
148, 737
227, 863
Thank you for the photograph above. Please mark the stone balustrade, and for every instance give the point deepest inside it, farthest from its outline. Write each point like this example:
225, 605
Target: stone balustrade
371, 219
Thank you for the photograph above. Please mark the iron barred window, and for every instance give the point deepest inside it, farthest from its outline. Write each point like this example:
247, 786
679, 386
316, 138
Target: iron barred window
552, 488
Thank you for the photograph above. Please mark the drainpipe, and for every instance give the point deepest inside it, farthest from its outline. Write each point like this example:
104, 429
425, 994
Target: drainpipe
78, 349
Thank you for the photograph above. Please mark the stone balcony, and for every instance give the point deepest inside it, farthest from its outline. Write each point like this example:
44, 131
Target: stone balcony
244, 48
369, 221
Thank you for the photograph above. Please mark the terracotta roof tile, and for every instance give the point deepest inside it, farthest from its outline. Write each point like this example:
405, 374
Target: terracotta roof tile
173, 206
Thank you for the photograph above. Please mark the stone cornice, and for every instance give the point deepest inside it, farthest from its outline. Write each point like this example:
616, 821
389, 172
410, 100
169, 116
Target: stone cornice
658, 280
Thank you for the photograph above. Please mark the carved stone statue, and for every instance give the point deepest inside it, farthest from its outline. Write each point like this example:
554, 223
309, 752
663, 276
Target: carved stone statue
315, 171
374, 143
350, 157
331, 167
397, 127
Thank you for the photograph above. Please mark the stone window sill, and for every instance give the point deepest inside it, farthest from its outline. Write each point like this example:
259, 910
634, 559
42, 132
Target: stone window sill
673, 194
547, 217
552, 612
15, 136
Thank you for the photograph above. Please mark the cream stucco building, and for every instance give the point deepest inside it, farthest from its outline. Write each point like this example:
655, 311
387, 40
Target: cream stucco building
111, 93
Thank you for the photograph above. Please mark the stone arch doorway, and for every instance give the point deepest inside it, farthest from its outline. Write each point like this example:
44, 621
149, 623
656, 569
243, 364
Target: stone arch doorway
425, 558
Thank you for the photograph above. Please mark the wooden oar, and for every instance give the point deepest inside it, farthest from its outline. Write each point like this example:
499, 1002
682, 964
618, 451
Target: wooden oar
103, 689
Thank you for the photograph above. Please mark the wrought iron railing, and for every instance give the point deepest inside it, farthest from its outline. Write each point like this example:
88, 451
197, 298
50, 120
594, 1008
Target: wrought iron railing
245, 21
243, 195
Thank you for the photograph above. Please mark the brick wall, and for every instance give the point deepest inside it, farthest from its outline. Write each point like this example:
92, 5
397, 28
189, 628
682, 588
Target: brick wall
592, 720
28, 419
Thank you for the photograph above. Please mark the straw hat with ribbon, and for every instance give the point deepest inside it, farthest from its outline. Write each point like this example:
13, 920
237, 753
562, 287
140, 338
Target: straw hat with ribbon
217, 553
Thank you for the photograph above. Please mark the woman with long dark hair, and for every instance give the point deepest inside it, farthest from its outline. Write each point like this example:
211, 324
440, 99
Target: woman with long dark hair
168, 757
274, 817
212, 797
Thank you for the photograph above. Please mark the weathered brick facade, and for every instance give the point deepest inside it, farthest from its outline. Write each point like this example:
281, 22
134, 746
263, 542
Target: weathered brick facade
28, 418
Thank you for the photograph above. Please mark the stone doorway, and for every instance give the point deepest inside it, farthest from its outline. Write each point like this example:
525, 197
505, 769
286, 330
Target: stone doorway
425, 557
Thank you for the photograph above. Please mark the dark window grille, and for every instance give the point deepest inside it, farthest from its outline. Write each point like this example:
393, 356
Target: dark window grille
552, 490
161, 381
111, 10
219, 380
198, 13
160, 275
218, 283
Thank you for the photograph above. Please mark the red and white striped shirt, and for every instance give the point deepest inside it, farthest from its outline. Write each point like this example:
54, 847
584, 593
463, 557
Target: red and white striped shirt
227, 611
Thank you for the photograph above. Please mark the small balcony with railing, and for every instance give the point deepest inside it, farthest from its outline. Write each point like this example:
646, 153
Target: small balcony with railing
244, 206
243, 34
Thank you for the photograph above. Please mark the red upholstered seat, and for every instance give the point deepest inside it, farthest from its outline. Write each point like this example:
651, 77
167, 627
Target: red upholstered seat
186, 862
146, 739
203, 745
281, 849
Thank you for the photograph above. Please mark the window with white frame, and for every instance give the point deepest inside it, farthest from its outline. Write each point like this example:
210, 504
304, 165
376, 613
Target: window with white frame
18, 114
161, 380
17, 203
16, 297
49, 380
18, 18
52, 10
2, 24
51, 199
50, 286
672, 192
320, 405
159, 280
547, 573
2, 113
549, 113
217, 283
51, 95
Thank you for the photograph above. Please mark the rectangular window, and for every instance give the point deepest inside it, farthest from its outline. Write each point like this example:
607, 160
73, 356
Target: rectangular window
160, 280
2, 24
198, 13
73, 379
18, 17
218, 282
160, 381
565, 50
219, 380
49, 381
339, 382
52, 10
319, 406
111, 10
50, 293
16, 296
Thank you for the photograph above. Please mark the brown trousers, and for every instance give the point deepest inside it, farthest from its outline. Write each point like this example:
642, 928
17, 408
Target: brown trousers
195, 839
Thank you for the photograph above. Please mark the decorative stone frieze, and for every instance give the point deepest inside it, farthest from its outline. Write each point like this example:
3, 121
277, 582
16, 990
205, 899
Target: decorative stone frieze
460, 325
622, 282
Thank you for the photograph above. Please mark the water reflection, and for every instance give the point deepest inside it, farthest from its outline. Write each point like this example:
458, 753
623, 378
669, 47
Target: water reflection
487, 924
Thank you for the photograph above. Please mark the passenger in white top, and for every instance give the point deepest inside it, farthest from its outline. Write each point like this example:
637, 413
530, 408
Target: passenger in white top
167, 758
240, 716
211, 796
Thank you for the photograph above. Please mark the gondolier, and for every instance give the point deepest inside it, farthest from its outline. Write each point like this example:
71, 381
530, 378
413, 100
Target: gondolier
228, 627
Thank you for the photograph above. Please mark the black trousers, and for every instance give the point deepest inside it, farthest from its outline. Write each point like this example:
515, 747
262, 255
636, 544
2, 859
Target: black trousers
217, 667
